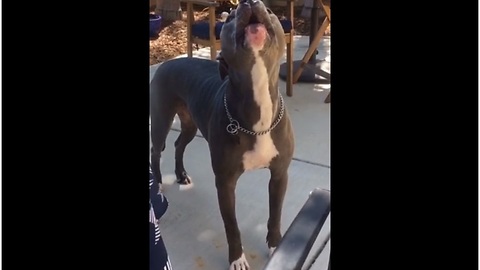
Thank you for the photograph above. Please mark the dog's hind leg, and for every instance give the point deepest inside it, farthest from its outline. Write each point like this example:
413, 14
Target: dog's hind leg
189, 129
162, 119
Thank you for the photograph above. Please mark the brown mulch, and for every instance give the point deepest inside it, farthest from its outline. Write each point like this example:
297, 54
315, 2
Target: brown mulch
172, 39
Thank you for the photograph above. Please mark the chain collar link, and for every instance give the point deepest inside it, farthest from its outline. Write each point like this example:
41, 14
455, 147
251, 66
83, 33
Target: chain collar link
234, 126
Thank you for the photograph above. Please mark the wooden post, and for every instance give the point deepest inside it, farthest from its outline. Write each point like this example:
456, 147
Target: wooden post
169, 10
212, 21
189, 28
290, 49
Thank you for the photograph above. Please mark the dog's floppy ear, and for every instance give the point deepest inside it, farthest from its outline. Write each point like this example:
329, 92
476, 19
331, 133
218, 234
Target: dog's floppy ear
222, 66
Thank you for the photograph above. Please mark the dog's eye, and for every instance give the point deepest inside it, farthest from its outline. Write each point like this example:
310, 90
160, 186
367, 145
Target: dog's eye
269, 11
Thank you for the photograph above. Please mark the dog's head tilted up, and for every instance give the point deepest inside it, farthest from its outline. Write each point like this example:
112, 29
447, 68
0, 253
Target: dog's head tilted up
251, 31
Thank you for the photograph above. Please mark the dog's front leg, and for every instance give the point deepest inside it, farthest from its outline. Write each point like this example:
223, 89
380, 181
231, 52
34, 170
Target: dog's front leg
276, 189
226, 200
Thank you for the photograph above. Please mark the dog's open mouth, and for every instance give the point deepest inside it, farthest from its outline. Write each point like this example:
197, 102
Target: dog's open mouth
256, 35
253, 24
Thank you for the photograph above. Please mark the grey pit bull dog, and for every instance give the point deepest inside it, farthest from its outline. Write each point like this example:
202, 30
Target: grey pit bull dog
236, 104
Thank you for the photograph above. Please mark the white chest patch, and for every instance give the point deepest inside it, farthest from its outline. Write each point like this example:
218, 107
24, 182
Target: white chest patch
263, 150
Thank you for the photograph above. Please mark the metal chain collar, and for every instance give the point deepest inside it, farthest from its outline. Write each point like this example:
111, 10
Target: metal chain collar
234, 126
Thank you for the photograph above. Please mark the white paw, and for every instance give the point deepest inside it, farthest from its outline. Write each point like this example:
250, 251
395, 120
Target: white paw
240, 264
272, 249
186, 187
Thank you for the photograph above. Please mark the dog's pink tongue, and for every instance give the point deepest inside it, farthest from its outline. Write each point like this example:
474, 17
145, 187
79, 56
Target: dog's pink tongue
256, 35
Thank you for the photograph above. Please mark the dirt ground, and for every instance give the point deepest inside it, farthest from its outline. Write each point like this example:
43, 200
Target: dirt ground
172, 39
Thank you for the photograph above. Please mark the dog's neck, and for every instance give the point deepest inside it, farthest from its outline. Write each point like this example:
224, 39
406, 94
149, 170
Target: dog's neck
253, 97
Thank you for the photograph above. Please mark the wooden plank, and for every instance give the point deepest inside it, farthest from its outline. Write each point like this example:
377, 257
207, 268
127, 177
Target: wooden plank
202, 3
326, 9
311, 49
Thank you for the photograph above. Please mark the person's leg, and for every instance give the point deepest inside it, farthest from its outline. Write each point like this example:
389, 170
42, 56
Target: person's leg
158, 205
158, 253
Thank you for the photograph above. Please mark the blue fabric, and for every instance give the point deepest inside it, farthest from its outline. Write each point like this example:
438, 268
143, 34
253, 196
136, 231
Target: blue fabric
287, 25
200, 29
158, 206
159, 201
